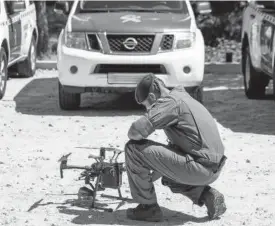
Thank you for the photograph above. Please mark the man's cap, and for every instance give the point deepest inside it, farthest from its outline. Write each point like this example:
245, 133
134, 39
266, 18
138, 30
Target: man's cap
143, 87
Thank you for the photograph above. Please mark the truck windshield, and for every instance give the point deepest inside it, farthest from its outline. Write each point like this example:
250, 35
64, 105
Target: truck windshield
133, 6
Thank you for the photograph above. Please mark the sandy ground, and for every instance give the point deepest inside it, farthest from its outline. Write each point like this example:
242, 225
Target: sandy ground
34, 134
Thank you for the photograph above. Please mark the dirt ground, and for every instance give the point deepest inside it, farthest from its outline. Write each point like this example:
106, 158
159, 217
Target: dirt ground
35, 133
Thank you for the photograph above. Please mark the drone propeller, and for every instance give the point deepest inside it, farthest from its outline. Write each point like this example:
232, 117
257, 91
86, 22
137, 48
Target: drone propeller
63, 163
112, 149
95, 157
105, 148
115, 156
64, 157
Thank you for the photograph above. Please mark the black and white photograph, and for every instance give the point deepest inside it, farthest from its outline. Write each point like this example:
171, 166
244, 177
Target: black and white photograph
137, 113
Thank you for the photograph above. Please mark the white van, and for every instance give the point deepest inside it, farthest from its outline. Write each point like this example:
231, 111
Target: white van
18, 39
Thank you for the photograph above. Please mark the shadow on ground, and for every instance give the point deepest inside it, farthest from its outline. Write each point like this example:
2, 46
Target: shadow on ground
224, 98
86, 217
225, 80
83, 215
233, 110
40, 97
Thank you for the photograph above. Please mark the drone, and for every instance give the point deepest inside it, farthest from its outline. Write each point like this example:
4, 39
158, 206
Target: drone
100, 175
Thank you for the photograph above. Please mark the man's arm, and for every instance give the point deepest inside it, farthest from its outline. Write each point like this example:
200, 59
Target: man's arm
140, 129
164, 113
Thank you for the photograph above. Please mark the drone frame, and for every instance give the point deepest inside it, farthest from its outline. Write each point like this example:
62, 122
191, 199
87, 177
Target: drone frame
97, 173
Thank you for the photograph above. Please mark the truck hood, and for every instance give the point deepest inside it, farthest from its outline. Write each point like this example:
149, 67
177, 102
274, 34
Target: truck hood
118, 22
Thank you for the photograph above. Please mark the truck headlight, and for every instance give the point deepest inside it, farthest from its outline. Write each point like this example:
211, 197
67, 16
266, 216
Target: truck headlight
76, 40
184, 40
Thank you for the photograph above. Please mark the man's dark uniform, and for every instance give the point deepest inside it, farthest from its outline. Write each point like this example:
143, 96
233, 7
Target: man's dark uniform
192, 159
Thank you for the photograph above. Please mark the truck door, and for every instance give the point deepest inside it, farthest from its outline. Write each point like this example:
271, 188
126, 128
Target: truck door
28, 22
15, 29
266, 41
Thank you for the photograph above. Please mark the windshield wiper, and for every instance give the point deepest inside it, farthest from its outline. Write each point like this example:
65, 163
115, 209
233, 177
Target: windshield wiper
123, 10
135, 10
94, 11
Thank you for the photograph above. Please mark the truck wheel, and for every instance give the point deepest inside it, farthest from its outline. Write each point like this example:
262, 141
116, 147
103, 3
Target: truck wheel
254, 81
27, 67
68, 101
197, 94
3, 72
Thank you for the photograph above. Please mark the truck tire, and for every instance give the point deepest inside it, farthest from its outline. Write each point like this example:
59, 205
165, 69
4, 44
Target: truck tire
254, 82
3, 72
27, 67
68, 101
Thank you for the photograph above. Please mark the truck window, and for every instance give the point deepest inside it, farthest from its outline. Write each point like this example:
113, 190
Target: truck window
266, 4
8, 7
136, 6
13, 7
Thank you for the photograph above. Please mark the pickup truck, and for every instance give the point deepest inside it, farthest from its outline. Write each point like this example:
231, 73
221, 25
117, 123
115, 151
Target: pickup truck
18, 40
111, 45
258, 53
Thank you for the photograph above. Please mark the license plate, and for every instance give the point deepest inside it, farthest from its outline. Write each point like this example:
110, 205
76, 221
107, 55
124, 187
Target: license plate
125, 78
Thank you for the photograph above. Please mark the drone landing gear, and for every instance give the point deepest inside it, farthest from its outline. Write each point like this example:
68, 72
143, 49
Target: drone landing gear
85, 193
107, 175
119, 197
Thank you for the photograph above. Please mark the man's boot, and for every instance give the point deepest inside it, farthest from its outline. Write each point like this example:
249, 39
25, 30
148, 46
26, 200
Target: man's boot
214, 202
143, 212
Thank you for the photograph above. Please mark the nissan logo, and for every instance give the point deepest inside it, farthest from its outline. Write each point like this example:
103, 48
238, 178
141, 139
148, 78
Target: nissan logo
130, 43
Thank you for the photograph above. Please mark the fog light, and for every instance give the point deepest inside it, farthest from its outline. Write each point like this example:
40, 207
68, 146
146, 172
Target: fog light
73, 69
186, 69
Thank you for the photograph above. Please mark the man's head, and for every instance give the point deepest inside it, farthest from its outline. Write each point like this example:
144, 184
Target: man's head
149, 89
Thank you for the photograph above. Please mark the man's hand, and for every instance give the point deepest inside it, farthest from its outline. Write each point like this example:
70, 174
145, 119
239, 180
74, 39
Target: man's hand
140, 129
133, 134
155, 176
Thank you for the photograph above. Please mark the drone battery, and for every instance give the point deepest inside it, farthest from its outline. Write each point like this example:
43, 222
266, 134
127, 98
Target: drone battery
112, 176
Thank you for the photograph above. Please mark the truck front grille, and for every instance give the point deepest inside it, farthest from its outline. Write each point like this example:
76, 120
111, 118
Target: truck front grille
167, 42
130, 68
144, 43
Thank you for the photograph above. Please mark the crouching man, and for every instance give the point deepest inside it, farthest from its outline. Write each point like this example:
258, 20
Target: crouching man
191, 161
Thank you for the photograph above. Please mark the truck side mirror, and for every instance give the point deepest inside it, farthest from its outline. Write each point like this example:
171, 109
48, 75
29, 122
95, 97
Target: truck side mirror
62, 7
203, 8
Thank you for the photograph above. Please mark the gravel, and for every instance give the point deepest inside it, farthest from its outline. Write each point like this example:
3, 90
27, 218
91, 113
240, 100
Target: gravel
32, 192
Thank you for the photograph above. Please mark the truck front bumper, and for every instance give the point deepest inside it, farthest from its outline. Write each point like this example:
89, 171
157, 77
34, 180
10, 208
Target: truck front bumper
83, 70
